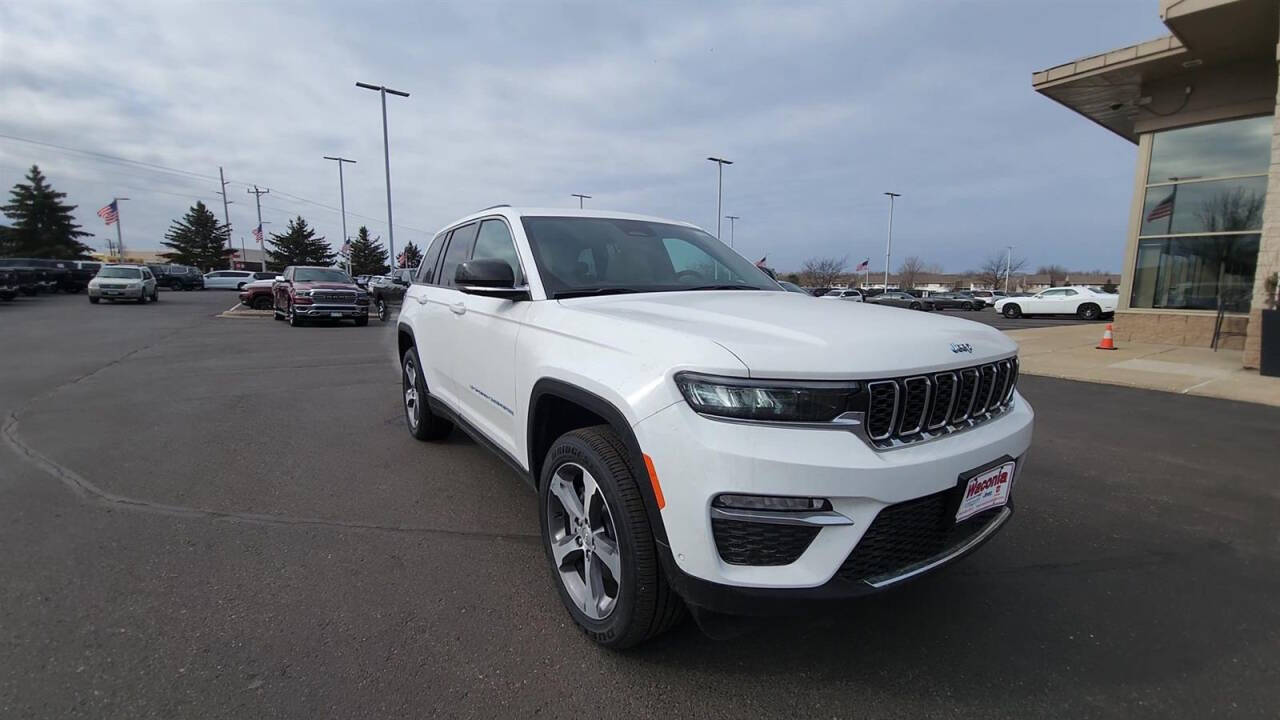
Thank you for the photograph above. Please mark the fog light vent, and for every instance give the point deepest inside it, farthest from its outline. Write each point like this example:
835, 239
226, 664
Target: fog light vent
770, 502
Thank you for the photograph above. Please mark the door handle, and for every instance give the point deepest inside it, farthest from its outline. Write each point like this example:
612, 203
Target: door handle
458, 308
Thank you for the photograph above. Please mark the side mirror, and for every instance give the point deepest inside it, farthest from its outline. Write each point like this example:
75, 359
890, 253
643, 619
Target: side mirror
489, 277
279, 278
399, 280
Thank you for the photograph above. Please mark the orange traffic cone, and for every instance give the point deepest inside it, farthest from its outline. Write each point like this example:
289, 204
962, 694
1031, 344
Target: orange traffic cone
1107, 342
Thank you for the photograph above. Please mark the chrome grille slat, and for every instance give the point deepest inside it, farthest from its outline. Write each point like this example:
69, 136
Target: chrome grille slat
906, 410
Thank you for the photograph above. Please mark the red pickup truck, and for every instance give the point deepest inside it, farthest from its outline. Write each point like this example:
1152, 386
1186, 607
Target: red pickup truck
257, 294
304, 293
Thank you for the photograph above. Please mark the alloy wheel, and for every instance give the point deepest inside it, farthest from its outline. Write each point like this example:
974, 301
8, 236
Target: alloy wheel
411, 393
584, 542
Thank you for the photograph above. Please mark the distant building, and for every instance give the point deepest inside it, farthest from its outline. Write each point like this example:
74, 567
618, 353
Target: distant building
1200, 104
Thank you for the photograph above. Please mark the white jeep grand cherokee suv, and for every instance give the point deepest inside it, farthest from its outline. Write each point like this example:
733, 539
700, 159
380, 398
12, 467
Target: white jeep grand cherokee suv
696, 435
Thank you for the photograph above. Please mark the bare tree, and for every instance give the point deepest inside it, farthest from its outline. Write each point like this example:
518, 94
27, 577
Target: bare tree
910, 271
823, 271
992, 271
1057, 274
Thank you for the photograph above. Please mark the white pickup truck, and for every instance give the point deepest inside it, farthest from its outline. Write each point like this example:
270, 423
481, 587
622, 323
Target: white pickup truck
697, 436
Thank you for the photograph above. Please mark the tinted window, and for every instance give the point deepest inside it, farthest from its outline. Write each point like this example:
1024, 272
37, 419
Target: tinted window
494, 242
1238, 147
427, 270
329, 275
120, 272
460, 243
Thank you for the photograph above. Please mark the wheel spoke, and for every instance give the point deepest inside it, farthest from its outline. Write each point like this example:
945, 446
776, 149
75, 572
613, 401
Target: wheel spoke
562, 547
589, 492
606, 550
564, 491
593, 582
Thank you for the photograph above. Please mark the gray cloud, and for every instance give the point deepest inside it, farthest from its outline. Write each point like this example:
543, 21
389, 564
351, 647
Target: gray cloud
821, 105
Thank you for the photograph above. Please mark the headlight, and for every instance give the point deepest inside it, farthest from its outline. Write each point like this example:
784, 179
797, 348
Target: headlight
770, 400
303, 293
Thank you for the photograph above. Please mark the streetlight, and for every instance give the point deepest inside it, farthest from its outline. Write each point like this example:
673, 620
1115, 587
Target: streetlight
720, 163
1008, 261
580, 197
386, 156
888, 244
342, 199
731, 218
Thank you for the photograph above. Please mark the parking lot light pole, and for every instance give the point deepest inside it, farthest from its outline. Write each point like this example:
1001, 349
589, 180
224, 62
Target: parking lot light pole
342, 199
731, 219
386, 157
888, 243
580, 197
720, 163
1008, 262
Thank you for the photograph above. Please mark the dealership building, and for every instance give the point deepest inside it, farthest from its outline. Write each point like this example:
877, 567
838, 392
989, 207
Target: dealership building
1204, 222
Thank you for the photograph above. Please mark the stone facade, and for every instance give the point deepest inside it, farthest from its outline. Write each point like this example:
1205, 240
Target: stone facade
1192, 329
1269, 246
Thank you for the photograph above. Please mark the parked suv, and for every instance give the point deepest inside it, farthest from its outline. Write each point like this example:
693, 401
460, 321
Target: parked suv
388, 295
9, 285
698, 437
303, 293
178, 277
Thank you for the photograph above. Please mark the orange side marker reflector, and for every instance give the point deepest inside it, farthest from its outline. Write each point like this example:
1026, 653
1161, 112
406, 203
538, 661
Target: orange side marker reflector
653, 480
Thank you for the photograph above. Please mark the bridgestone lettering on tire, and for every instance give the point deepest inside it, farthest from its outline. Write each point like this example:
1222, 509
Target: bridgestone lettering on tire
621, 599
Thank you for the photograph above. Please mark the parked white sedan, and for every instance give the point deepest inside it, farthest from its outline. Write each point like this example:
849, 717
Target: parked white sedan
228, 279
1085, 303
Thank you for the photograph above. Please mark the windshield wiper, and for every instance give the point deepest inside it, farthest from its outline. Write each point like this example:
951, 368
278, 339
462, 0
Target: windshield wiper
586, 292
722, 287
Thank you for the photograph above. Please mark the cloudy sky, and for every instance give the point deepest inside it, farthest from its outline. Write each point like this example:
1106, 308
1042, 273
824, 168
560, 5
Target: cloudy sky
822, 106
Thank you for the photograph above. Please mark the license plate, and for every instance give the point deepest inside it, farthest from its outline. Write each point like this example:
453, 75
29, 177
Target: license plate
110, 292
335, 314
986, 490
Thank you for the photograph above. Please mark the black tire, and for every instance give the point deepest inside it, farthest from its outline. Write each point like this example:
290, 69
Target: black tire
1088, 311
155, 295
1012, 311
142, 297
645, 604
276, 314
294, 320
423, 424
29, 292
261, 303
240, 286
362, 321
94, 300
914, 306
968, 306
383, 313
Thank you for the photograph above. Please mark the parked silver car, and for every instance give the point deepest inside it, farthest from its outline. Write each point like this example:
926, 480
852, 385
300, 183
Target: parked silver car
124, 282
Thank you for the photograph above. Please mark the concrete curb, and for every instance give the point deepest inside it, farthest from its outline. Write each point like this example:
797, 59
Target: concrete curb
246, 313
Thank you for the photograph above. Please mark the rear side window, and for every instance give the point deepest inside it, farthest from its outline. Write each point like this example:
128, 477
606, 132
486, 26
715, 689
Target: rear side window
494, 243
427, 270
460, 244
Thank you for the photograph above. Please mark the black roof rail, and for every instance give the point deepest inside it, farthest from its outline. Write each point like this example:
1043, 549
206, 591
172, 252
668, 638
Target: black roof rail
491, 207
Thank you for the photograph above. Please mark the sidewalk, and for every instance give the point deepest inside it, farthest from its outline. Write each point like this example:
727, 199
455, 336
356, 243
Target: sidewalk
1069, 352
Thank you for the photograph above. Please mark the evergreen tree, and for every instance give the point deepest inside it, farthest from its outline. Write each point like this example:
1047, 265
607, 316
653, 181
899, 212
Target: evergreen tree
298, 245
368, 257
412, 256
43, 225
198, 239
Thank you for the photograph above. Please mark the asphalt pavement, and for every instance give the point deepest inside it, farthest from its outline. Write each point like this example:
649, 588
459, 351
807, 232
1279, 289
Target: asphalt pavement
211, 517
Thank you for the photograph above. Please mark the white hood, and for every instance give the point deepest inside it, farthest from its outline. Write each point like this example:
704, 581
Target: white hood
787, 335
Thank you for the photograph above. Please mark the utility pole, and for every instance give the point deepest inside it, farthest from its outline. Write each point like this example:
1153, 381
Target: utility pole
119, 232
888, 245
1008, 261
386, 157
257, 199
226, 215
580, 197
342, 199
731, 219
720, 163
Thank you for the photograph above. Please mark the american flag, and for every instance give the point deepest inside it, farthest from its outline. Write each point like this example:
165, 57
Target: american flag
863, 265
400, 260
110, 214
257, 234
1163, 210
346, 249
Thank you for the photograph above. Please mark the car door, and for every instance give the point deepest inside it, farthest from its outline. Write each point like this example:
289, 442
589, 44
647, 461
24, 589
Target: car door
280, 290
1049, 302
1069, 302
486, 333
439, 302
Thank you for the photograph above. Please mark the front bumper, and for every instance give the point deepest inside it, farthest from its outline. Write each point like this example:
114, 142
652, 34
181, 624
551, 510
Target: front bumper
116, 294
331, 311
697, 458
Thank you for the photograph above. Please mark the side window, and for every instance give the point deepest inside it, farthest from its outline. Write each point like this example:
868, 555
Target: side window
460, 244
494, 242
1069, 293
288, 273
427, 270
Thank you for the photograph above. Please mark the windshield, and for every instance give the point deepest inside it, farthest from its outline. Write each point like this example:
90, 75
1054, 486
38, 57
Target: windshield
585, 256
119, 272
330, 275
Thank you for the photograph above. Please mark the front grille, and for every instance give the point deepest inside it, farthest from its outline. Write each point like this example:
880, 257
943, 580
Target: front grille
912, 532
106, 286
342, 297
750, 543
906, 410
